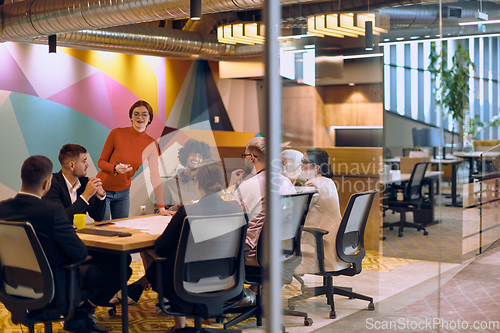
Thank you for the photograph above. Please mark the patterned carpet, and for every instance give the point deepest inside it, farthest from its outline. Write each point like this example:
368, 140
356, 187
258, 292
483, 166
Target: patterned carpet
143, 316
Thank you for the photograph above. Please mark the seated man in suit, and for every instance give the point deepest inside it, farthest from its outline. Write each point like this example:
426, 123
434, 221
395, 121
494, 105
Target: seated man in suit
73, 189
60, 243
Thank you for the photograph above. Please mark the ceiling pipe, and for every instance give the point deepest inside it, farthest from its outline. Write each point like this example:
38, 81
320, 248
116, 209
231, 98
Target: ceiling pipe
31, 18
155, 41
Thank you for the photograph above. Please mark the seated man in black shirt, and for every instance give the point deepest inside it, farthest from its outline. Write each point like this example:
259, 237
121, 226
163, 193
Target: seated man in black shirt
60, 242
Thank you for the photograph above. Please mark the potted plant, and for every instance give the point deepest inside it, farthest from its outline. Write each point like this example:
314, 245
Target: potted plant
452, 89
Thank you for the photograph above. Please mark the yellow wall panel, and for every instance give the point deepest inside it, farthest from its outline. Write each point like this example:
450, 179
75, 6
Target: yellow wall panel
175, 74
133, 71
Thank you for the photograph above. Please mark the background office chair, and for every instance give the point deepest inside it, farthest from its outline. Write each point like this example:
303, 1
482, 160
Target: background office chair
295, 208
209, 267
26, 280
350, 248
412, 201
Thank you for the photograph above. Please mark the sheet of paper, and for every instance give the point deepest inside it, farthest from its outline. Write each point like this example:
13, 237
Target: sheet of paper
154, 225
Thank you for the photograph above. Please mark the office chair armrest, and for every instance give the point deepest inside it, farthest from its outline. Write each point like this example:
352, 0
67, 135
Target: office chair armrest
153, 255
75, 265
316, 231
73, 272
320, 249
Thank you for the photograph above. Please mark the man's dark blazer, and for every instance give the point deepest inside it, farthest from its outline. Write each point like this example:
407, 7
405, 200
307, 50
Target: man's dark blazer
59, 193
55, 233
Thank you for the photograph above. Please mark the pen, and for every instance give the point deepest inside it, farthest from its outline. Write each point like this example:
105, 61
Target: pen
114, 168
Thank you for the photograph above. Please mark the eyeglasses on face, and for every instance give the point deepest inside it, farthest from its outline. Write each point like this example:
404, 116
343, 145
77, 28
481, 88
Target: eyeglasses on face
245, 155
143, 115
304, 161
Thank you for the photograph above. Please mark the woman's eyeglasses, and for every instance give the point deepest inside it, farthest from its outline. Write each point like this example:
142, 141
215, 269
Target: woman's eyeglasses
243, 156
304, 161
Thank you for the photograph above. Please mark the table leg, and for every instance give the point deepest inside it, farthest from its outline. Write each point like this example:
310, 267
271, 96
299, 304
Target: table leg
471, 169
454, 202
123, 267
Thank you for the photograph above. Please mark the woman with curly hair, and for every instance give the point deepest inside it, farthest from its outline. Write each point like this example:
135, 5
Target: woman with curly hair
181, 188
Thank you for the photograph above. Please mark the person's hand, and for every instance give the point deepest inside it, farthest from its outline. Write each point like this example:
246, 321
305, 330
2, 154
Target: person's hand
236, 177
99, 190
164, 212
122, 168
94, 184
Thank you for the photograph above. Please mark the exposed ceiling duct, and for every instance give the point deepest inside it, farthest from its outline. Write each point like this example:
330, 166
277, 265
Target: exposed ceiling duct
143, 39
419, 16
75, 20
31, 18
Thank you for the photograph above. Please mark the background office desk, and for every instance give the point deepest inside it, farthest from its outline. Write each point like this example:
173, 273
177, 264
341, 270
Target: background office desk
138, 242
427, 212
454, 174
474, 156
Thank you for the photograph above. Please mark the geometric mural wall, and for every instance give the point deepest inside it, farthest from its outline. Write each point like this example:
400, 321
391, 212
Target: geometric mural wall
78, 96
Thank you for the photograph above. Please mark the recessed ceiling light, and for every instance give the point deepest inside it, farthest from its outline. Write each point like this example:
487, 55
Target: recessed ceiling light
351, 84
400, 38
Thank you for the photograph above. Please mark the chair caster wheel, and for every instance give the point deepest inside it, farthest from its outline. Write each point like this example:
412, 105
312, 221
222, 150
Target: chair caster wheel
333, 315
112, 312
391, 228
425, 233
219, 320
371, 306
400, 234
291, 306
308, 321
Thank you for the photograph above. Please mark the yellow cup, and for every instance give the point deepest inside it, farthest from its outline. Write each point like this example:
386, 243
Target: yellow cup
80, 220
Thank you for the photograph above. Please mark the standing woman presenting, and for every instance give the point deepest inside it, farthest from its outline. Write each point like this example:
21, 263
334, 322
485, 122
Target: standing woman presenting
122, 155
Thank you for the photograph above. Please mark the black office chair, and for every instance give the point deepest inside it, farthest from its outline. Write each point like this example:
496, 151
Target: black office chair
412, 201
350, 249
294, 208
26, 279
209, 268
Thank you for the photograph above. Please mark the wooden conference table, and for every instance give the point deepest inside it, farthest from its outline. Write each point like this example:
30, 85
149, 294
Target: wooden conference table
123, 246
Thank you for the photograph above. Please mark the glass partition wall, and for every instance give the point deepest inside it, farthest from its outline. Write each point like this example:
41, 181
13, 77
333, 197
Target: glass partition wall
401, 108
374, 125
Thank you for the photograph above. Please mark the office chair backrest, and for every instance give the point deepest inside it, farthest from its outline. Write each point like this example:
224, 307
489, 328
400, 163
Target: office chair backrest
414, 187
26, 280
350, 236
294, 209
209, 266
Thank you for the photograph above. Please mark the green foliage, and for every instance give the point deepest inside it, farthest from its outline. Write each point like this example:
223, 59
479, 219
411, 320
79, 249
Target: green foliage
452, 91
495, 121
476, 126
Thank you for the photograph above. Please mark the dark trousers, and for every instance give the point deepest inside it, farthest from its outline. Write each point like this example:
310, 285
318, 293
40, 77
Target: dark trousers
103, 275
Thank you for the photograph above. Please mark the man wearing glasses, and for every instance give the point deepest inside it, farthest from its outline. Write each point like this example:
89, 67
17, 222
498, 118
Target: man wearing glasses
251, 193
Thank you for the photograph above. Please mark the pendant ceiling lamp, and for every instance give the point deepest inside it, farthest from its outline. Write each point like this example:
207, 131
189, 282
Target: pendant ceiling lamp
342, 25
248, 33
